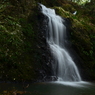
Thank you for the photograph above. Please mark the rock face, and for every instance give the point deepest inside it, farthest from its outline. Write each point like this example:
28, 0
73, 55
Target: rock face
46, 61
24, 53
46, 70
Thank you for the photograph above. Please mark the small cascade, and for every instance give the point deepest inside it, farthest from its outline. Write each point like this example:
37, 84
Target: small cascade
64, 67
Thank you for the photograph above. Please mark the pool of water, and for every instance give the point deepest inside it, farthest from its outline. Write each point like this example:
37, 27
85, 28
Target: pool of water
53, 88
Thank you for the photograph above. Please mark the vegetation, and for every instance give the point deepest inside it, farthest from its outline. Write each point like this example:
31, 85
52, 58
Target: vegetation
16, 41
81, 2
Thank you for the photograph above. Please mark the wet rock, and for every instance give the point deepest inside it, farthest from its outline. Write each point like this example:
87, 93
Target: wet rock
45, 58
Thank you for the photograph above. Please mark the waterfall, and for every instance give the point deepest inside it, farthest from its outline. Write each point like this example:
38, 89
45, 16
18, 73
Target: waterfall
64, 67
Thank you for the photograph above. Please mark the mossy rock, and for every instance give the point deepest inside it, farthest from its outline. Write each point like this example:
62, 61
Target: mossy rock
82, 35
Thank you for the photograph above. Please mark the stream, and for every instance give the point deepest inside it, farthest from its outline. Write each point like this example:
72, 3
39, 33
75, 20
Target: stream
52, 88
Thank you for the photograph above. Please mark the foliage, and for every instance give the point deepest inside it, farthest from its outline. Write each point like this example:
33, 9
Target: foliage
81, 2
16, 38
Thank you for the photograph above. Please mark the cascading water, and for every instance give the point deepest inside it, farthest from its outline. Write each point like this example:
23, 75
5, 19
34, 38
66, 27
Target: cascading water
64, 67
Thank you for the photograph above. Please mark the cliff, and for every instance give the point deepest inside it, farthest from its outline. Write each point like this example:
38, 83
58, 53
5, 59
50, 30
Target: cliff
23, 45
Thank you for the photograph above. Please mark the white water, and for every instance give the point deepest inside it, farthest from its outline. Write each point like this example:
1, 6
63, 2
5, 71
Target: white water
64, 67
